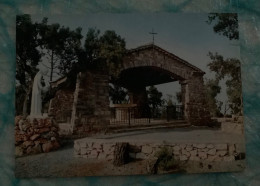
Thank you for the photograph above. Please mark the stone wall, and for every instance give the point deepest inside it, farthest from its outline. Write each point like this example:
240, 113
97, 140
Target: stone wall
61, 105
104, 150
33, 136
92, 111
196, 108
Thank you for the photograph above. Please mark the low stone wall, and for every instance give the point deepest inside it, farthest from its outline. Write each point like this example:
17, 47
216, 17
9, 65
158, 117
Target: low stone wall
104, 149
230, 127
33, 136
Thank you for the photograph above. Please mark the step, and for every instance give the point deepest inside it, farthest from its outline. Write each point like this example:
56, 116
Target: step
176, 123
126, 129
65, 129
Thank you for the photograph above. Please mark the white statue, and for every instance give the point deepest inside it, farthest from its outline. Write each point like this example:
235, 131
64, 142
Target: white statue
37, 89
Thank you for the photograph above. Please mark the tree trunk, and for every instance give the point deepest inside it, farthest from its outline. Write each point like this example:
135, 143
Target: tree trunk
25, 105
52, 66
25, 109
121, 156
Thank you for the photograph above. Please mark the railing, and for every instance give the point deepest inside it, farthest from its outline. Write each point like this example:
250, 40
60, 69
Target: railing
175, 112
129, 115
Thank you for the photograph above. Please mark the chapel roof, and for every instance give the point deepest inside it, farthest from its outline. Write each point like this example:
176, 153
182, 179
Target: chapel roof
171, 55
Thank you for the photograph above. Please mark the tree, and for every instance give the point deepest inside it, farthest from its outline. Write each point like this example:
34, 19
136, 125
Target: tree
179, 97
117, 94
104, 51
229, 69
60, 45
154, 100
212, 90
27, 58
169, 101
227, 24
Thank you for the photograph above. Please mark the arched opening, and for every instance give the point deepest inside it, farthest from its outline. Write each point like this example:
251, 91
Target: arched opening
145, 103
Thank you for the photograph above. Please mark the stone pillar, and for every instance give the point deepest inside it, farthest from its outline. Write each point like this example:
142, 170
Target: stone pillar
196, 108
184, 97
138, 96
91, 102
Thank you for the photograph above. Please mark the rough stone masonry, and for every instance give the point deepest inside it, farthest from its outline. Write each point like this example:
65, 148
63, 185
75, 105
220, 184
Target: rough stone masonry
85, 107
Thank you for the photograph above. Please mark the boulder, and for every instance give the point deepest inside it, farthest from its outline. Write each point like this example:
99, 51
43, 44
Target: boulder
47, 147
186, 153
194, 152
147, 149
141, 155
210, 146
176, 152
55, 129
93, 154
189, 148
176, 148
17, 119
132, 155
212, 157
28, 143
194, 158
221, 152
204, 150
228, 158
212, 152
183, 158
19, 151
20, 138
43, 130
36, 149
101, 156
221, 146
200, 146
84, 151
152, 166
231, 149
34, 137
217, 158
41, 141
202, 155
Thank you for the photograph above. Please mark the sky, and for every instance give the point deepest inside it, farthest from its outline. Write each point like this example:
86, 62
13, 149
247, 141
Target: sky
186, 35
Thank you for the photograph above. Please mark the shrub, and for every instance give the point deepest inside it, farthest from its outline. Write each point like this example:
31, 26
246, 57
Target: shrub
165, 159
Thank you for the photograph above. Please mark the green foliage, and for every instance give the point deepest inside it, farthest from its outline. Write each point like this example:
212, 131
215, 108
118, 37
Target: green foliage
104, 51
60, 45
27, 58
227, 24
27, 55
117, 94
179, 97
154, 100
212, 90
229, 69
165, 159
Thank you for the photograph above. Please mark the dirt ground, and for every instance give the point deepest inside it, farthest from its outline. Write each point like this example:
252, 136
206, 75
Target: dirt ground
61, 163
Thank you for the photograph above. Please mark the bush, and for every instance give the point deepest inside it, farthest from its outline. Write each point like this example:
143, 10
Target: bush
165, 159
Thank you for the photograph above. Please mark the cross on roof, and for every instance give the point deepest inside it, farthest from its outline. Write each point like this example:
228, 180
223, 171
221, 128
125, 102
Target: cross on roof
153, 33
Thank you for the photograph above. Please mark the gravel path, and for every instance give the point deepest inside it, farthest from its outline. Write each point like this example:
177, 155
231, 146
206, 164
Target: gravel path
62, 163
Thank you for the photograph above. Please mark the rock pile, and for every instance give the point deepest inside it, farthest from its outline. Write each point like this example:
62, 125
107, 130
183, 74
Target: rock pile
35, 136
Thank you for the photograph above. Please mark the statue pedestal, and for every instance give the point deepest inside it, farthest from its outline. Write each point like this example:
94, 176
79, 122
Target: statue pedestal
38, 117
35, 135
